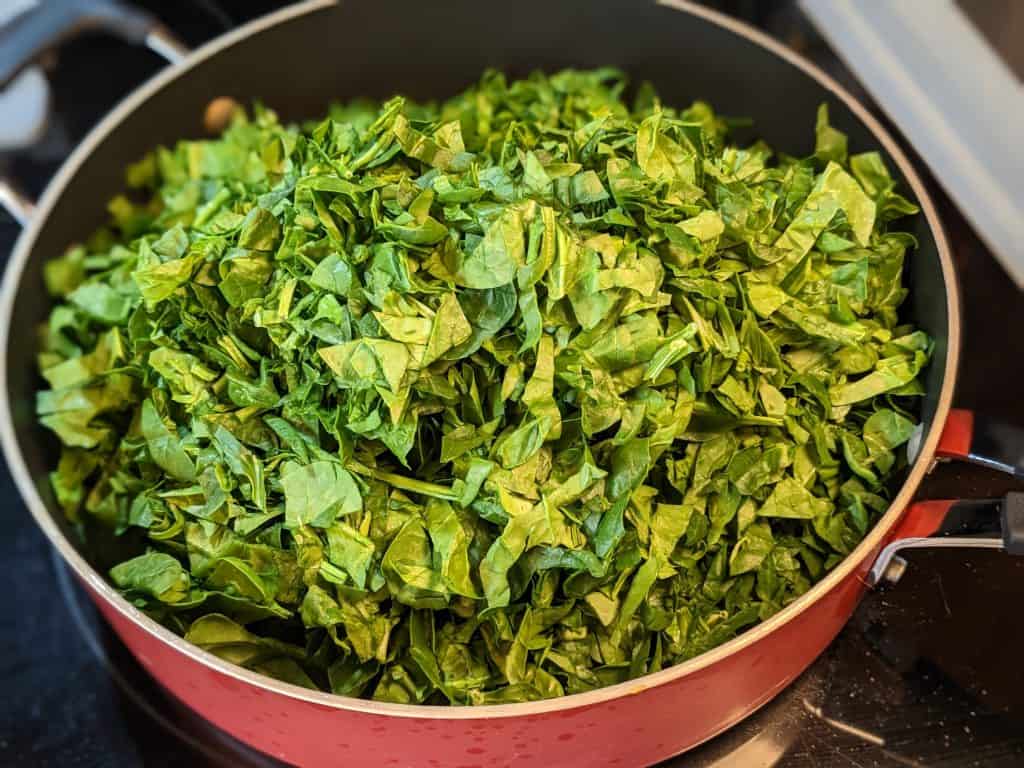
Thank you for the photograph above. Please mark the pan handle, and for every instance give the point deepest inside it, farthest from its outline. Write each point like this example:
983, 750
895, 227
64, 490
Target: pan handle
980, 523
44, 25
34, 31
977, 523
970, 437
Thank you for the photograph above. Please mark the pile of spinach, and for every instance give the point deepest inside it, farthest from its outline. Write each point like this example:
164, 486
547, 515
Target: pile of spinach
510, 397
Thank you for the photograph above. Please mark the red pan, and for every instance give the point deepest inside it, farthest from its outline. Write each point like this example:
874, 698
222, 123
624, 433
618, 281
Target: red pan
305, 56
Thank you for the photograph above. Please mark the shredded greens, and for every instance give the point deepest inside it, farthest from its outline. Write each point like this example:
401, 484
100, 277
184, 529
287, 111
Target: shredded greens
511, 397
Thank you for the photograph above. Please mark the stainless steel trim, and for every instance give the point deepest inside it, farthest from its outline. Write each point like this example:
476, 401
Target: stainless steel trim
856, 560
15, 202
878, 572
164, 44
991, 463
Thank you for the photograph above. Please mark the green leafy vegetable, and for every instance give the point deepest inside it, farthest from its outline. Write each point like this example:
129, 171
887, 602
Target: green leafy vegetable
514, 396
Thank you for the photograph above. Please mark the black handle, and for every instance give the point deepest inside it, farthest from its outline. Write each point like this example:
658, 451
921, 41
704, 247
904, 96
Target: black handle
31, 33
1013, 523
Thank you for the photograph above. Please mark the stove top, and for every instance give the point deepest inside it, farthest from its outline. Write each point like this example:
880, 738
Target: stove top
925, 674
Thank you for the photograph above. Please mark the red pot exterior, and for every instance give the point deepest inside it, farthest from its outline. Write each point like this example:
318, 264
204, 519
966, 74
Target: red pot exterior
637, 729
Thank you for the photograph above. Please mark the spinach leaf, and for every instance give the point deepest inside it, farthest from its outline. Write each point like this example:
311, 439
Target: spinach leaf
488, 400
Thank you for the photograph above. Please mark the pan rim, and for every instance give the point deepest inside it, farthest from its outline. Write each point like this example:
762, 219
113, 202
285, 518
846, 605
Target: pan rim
846, 569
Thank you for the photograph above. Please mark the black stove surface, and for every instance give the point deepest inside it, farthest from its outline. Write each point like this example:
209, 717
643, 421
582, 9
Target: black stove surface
927, 673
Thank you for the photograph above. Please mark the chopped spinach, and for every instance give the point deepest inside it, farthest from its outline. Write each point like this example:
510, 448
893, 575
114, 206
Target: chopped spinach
510, 397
